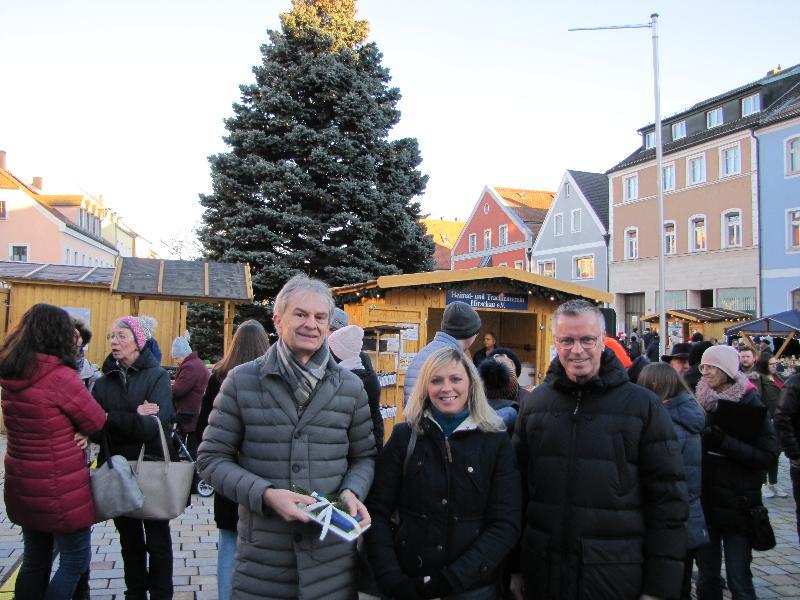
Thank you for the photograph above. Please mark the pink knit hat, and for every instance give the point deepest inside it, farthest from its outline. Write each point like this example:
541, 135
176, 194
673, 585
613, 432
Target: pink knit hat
725, 358
132, 323
346, 342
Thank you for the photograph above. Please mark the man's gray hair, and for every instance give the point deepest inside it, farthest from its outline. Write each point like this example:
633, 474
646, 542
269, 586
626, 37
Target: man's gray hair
576, 308
302, 284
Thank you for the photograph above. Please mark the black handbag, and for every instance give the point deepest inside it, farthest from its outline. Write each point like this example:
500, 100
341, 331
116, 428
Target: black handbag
759, 529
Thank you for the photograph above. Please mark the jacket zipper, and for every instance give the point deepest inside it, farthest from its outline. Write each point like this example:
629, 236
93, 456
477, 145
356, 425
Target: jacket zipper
447, 449
568, 516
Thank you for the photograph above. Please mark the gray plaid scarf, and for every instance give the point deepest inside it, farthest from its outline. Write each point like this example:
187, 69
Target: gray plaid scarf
302, 378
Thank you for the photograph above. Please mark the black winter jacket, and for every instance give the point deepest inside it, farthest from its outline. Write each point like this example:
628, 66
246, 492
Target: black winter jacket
733, 473
458, 501
787, 417
604, 489
119, 391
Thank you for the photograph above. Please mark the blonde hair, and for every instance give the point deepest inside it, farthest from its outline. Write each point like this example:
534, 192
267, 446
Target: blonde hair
482, 414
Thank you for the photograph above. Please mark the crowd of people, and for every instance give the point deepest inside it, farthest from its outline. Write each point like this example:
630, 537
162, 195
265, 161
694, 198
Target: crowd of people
613, 479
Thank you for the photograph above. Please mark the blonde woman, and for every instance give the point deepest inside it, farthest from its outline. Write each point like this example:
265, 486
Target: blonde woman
450, 476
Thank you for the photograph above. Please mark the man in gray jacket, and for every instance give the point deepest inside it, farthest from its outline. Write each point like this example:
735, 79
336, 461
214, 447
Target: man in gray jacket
291, 419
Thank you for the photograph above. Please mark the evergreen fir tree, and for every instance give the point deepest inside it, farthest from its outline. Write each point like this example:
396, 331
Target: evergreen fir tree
312, 182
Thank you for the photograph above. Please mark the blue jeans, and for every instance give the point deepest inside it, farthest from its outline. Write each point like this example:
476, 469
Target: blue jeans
738, 556
487, 592
75, 554
226, 550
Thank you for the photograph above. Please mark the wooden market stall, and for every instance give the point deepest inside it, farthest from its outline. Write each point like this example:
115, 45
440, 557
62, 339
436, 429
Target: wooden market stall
784, 324
711, 322
141, 279
515, 305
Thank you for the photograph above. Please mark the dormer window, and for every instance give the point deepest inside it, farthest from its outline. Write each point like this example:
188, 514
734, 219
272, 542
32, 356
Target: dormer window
714, 117
650, 140
751, 105
678, 130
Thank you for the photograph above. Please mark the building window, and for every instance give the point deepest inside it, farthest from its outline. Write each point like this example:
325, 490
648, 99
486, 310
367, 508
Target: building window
631, 243
502, 235
650, 140
751, 105
503, 264
696, 169
583, 267
793, 221
18, 253
697, 233
547, 268
486, 208
66, 256
669, 237
678, 130
575, 220
473, 242
3, 213
558, 224
714, 117
793, 156
731, 228
630, 187
730, 162
668, 178
743, 299
566, 190
487, 239
674, 299
518, 264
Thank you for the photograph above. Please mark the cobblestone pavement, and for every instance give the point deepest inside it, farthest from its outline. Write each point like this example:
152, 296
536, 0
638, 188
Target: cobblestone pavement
776, 573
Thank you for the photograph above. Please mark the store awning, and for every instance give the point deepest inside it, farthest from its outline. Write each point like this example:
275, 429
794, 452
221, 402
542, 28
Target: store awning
702, 315
782, 323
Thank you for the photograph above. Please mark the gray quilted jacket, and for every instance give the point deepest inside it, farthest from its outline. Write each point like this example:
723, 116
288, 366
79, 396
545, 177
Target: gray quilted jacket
254, 440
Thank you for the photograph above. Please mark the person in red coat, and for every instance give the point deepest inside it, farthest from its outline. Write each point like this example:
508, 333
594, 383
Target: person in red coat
188, 388
49, 414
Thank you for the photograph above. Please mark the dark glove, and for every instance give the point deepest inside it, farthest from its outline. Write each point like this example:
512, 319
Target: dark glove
712, 438
436, 587
406, 590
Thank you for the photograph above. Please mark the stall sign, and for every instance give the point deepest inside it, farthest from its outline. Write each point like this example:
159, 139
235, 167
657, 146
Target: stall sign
499, 300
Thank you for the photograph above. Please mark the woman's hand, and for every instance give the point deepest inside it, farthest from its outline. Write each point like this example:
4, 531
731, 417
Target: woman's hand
147, 408
517, 587
81, 440
355, 507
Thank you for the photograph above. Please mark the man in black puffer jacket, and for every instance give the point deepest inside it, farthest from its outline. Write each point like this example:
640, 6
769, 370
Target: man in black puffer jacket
787, 422
603, 482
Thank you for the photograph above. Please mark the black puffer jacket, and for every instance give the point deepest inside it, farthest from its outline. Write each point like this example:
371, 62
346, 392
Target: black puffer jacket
119, 391
733, 470
603, 482
787, 417
459, 506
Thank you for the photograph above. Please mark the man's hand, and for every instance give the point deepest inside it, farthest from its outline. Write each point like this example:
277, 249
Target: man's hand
284, 502
147, 408
355, 507
81, 440
517, 587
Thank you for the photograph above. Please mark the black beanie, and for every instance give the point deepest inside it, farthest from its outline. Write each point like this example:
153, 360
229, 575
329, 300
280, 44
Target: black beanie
460, 321
496, 379
510, 354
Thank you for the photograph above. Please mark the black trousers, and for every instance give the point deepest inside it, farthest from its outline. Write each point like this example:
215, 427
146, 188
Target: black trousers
147, 556
794, 473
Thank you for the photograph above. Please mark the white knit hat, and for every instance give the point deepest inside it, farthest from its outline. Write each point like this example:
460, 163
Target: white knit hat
346, 342
725, 358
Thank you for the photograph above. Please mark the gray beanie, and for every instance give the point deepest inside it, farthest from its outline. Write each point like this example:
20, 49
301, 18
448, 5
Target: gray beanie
460, 321
339, 319
181, 348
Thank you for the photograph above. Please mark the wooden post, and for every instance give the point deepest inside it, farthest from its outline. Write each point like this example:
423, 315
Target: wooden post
229, 310
134, 306
749, 341
788, 339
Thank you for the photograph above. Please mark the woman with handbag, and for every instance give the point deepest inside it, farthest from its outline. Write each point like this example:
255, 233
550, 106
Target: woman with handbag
48, 414
733, 463
132, 389
249, 342
448, 476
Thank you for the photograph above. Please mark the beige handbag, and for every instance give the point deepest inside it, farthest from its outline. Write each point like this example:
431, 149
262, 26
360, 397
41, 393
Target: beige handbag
165, 484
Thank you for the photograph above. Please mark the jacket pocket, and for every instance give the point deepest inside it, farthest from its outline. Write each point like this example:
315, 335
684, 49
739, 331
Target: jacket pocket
621, 460
610, 568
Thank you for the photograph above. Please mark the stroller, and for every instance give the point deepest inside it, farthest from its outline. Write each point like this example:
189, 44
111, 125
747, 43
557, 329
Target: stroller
201, 487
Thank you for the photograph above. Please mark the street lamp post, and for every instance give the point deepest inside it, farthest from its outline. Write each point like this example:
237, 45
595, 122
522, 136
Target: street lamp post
653, 27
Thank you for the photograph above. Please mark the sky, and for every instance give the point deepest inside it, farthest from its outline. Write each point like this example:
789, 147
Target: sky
127, 99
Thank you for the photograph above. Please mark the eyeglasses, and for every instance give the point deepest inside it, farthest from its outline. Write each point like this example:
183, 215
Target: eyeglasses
588, 342
120, 337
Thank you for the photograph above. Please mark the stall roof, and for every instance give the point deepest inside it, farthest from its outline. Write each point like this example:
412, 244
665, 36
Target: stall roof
708, 315
59, 274
782, 323
517, 277
188, 280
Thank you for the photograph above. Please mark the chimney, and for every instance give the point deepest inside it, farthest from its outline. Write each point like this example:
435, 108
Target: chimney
2, 159
37, 183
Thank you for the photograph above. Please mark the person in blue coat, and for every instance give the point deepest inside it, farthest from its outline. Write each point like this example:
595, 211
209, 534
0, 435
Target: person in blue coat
688, 420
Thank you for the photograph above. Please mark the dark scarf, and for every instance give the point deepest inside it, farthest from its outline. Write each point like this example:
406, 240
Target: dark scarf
448, 423
302, 378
